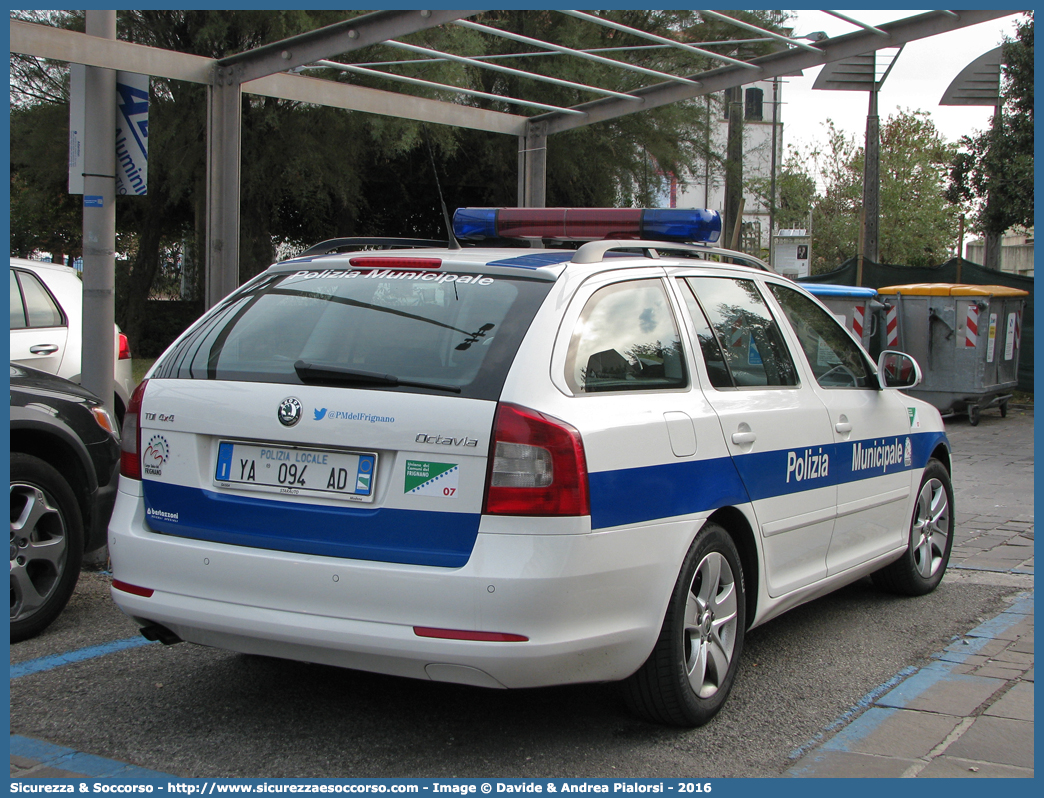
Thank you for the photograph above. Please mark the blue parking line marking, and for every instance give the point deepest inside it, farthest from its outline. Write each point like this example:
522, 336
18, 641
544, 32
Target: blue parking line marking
69, 657
62, 758
911, 682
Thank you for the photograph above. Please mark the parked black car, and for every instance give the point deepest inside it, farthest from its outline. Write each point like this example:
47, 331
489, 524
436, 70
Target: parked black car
65, 458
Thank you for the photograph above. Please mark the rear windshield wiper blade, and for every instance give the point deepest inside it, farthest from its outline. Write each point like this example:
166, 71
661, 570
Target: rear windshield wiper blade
311, 372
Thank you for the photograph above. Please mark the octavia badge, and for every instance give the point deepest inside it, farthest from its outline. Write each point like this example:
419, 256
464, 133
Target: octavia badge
289, 412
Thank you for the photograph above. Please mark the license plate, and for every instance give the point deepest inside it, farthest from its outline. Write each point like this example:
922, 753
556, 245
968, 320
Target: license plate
295, 471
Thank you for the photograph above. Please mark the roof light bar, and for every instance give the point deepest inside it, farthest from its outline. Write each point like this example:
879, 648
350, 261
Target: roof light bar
588, 224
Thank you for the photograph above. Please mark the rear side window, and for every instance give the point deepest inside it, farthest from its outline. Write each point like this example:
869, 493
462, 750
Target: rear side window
626, 339
40, 309
409, 330
751, 344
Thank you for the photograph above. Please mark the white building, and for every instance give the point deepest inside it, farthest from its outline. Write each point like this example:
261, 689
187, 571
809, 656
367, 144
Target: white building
1016, 252
706, 189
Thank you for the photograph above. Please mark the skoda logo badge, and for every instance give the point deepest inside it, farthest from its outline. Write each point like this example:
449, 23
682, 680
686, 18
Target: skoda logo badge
289, 412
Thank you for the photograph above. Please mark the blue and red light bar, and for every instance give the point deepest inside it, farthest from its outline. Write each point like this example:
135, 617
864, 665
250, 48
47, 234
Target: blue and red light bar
588, 224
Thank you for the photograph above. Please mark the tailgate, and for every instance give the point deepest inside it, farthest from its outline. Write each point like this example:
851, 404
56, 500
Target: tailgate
371, 475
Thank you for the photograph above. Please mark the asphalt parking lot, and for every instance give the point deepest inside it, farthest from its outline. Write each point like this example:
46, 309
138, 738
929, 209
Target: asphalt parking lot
195, 712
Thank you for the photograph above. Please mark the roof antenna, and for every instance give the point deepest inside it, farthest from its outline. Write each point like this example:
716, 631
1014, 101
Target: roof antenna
453, 243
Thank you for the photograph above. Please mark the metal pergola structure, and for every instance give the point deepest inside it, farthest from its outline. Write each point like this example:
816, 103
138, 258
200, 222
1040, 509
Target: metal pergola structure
274, 70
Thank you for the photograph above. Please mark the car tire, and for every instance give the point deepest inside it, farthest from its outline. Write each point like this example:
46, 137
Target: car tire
46, 544
689, 674
924, 562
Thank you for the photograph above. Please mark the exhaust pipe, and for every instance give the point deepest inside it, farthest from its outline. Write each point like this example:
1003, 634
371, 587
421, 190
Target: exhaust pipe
155, 631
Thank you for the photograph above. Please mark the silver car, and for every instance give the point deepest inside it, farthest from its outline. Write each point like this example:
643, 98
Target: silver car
47, 326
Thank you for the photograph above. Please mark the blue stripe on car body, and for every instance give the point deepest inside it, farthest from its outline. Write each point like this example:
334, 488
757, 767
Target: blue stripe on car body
417, 537
411, 537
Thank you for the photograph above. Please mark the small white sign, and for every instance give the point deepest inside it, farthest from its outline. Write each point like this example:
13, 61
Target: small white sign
1009, 343
992, 343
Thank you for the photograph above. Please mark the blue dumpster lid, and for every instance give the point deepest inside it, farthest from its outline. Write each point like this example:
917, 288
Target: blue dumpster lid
852, 291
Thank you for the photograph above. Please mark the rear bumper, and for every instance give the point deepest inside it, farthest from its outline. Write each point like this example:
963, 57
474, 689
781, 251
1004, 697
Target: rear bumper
589, 604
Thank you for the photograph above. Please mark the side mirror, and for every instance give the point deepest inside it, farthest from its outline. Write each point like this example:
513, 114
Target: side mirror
897, 370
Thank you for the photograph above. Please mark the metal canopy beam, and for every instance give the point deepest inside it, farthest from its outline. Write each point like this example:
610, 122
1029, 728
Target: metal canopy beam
342, 37
78, 48
900, 32
43, 41
386, 103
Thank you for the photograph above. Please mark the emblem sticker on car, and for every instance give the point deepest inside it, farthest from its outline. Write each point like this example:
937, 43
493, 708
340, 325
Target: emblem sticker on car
289, 411
431, 479
156, 454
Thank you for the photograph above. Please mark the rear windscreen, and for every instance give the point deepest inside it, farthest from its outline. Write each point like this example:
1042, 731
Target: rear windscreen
421, 331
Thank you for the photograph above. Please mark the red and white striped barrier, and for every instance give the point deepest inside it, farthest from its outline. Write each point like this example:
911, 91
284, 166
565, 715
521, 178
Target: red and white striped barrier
892, 326
736, 338
857, 320
971, 326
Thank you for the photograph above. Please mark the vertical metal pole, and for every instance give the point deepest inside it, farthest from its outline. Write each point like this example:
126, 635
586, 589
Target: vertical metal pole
734, 159
773, 166
521, 198
707, 157
862, 243
99, 219
535, 192
224, 134
872, 181
960, 249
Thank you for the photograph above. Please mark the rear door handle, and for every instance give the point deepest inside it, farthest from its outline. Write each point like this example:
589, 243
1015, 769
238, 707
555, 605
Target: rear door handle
44, 349
743, 438
843, 427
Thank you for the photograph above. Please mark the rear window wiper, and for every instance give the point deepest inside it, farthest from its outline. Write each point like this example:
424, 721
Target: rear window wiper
312, 372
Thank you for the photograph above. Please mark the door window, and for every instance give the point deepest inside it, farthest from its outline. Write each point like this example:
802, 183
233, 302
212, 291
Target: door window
40, 307
836, 360
626, 339
748, 340
17, 308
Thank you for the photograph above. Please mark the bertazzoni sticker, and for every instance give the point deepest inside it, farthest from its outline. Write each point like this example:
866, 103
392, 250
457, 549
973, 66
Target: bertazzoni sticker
431, 479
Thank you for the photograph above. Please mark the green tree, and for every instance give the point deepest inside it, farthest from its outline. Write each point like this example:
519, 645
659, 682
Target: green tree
918, 224
795, 191
837, 206
995, 168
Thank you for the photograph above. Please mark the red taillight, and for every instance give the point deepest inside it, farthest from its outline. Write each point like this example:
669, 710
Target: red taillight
537, 466
126, 587
125, 352
379, 262
130, 444
463, 634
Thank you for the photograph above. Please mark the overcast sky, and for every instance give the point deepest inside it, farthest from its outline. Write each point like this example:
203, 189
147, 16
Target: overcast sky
917, 81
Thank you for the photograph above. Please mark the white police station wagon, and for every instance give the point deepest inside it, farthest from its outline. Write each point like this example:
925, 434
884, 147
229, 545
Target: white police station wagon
516, 467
